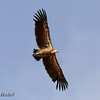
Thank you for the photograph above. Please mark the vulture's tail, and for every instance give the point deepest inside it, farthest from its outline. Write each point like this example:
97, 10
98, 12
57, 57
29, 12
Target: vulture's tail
36, 58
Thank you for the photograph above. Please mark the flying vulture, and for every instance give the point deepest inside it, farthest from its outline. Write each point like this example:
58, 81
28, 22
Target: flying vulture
46, 51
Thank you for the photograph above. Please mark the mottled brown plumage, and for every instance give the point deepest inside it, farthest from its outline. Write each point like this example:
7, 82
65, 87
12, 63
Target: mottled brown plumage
42, 30
47, 52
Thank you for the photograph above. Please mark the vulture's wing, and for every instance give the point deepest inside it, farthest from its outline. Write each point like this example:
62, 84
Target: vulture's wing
55, 72
42, 29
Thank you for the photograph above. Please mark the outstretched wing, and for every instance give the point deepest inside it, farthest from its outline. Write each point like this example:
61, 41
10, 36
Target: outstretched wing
42, 29
55, 72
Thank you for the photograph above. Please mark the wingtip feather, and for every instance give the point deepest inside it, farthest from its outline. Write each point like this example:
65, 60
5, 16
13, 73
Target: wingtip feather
40, 15
62, 85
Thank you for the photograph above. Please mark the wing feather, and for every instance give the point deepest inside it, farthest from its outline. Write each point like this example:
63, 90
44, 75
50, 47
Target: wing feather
42, 29
55, 72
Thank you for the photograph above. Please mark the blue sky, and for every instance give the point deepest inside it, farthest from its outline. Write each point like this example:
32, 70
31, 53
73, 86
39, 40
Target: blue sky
75, 31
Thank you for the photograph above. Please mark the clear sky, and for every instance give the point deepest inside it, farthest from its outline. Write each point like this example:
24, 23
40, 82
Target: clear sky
75, 31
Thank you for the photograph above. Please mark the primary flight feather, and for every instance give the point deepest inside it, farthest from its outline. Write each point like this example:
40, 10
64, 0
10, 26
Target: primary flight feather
47, 52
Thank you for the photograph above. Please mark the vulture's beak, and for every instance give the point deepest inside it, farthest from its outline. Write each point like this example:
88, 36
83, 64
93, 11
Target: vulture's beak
55, 51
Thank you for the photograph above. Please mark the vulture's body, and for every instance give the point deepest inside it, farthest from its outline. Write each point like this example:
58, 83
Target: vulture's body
47, 52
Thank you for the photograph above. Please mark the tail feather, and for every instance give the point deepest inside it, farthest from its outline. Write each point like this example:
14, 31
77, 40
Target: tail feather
35, 50
36, 58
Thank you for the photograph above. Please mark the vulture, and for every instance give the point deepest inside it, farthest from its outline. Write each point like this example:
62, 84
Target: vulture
46, 52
